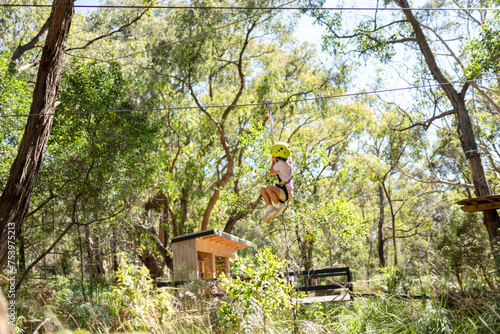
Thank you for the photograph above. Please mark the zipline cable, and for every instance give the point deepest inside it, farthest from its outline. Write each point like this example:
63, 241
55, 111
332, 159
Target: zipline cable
258, 104
253, 8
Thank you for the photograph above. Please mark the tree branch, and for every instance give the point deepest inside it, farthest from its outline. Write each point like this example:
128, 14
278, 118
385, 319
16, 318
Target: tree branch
137, 18
21, 49
240, 215
29, 65
494, 167
241, 75
487, 97
103, 219
428, 122
427, 52
437, 181
153, 235
38, 208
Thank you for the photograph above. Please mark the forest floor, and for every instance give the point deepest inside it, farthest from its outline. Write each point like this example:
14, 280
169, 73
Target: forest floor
62, 305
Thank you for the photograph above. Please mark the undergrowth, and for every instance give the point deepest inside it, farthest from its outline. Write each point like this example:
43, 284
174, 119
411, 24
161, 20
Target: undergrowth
263, 304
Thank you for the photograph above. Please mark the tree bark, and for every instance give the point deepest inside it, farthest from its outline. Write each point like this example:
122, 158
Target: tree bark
22, 253
15, 198
380, 234
114, 245
467, 138
393, 223
151, 263
94, 255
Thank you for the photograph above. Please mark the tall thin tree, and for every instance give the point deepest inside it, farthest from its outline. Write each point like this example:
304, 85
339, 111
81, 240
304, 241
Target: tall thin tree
15, 198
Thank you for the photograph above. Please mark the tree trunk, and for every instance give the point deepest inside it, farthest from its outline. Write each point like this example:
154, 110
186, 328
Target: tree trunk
308, 259
380, 234
94, 255
114, 245
222, 182
15, 198
151, 263
465, 131
184, 208
22, 253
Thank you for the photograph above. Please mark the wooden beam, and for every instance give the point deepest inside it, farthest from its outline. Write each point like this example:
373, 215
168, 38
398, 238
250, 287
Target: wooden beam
229, 243
481, 207
479, 200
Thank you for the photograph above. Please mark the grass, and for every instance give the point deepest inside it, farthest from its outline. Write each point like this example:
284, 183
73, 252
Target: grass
376, 314
132, 305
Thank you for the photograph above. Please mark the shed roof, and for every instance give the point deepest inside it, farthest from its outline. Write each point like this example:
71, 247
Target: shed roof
216, 236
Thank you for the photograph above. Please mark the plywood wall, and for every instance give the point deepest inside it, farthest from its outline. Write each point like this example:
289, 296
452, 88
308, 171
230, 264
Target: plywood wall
185, 260
216, 248
186, 256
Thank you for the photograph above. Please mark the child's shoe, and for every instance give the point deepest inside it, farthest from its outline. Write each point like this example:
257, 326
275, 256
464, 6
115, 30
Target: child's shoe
280, 207
270, 209
270, 214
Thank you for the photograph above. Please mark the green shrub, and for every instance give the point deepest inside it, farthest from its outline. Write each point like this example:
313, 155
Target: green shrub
258, 298
134, 303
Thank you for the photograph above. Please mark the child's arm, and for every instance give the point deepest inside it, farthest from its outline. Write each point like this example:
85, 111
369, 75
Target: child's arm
273, 171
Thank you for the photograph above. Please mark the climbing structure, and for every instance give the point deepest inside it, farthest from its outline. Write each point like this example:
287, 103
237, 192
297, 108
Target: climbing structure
482, 203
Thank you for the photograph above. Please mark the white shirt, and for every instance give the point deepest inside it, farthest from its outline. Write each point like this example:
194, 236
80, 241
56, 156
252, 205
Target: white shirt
284, 171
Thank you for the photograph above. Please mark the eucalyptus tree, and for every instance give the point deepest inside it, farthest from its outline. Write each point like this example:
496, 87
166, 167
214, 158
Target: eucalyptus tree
17, 192
386, 36
194, 58
21, 31
212, 66
92, 175
484, 54
15, 198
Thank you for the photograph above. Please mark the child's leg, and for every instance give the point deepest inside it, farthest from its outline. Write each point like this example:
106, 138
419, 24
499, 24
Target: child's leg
265, 195
275, 193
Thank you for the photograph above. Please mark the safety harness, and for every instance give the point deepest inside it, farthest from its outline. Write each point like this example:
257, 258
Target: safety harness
282, 184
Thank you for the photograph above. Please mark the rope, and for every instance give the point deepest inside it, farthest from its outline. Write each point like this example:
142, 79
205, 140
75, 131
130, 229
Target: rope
269, 107
257, 104
252, 8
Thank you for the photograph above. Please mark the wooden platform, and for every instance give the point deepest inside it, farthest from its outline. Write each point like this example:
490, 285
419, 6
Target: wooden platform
324, 299
482, 203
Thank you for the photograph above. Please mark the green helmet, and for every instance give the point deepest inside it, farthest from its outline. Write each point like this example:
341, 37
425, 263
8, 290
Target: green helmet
280, 149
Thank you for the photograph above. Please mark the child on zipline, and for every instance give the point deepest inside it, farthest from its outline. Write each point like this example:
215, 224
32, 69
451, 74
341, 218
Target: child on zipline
282, 191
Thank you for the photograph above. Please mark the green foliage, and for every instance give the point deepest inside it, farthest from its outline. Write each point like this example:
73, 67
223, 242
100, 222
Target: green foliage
97, 164
485, 50
394, 280
325, 228
464, 246
135, 304
386, 314
73, 303
257, 296
15, 100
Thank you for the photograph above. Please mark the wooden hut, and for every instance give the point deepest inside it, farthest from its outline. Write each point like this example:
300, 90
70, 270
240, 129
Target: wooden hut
204, 254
